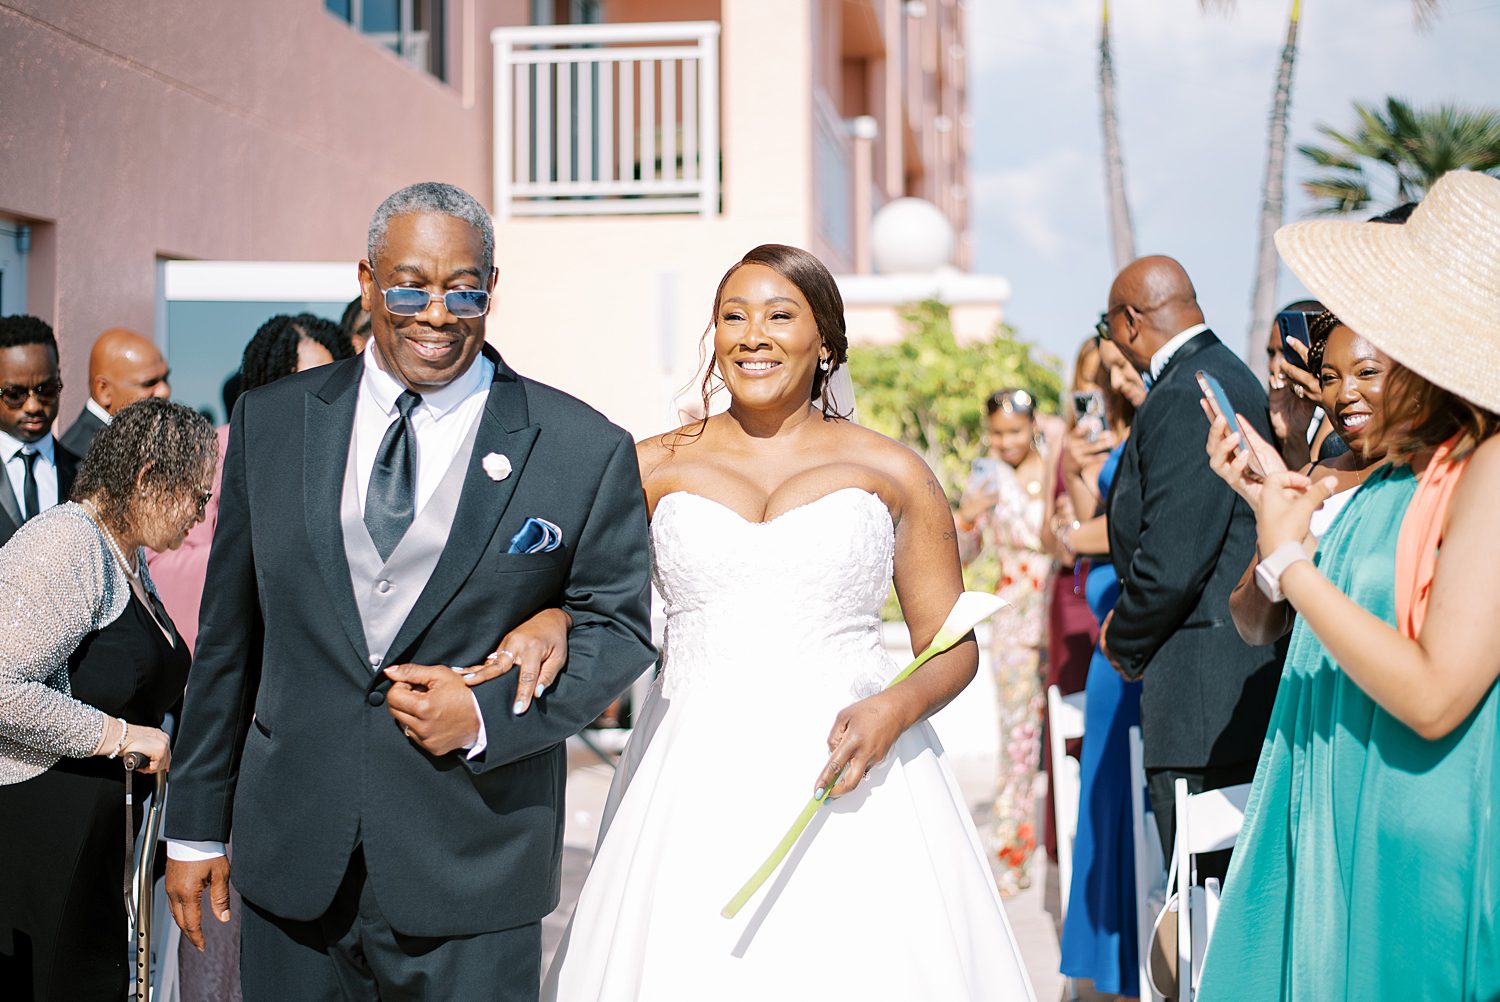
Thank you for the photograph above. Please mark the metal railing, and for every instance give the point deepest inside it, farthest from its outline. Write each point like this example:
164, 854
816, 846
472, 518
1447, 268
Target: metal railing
607, 119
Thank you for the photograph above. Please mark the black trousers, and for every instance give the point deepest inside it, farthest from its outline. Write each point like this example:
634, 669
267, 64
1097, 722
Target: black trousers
1161, 784
351, 954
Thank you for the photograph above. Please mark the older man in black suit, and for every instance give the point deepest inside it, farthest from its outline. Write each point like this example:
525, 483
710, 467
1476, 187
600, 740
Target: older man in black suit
398, 835
38, 470
1180, 539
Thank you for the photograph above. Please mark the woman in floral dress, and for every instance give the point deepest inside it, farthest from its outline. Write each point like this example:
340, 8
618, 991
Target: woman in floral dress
1003, 510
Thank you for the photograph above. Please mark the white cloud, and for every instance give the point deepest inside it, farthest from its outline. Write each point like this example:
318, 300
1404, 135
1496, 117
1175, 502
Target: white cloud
1034, 203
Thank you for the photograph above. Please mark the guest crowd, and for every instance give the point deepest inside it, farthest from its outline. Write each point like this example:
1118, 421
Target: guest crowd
1294, 585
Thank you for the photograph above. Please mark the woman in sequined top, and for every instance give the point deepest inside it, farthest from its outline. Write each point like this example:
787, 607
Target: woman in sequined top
89, 665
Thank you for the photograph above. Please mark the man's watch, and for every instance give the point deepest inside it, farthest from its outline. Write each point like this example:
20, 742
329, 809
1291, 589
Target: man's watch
1269, 571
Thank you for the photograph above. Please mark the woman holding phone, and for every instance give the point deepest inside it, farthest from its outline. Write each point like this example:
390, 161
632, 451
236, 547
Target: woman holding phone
1369, 862
1004, 508
1351, 373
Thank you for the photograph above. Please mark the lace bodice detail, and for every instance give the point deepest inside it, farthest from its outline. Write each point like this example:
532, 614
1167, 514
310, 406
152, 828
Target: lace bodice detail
796, 598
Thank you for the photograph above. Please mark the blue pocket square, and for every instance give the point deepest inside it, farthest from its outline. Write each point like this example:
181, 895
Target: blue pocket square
537, 535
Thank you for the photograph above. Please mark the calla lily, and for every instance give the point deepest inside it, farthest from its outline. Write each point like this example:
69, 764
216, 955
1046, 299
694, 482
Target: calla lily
971, 609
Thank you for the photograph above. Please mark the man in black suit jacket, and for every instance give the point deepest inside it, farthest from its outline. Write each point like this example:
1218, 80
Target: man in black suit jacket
1180, 540
396, 833
38, 471
124, 366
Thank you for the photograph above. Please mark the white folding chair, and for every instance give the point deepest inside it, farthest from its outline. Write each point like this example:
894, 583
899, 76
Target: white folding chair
1206, 822
1064, 723
1150, 869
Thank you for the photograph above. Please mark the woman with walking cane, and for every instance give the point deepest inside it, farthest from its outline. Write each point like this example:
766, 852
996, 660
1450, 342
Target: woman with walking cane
89, 665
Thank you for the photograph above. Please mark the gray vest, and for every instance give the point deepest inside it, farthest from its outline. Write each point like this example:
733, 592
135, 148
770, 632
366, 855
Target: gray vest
386, 590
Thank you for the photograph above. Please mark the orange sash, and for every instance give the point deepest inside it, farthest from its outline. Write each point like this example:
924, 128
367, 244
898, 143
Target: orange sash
1422, 536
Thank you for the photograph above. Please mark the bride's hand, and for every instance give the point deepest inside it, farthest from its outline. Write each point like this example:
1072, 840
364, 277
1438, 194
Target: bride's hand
862, 735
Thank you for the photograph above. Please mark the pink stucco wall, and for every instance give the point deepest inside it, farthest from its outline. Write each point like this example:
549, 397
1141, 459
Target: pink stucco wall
213, 129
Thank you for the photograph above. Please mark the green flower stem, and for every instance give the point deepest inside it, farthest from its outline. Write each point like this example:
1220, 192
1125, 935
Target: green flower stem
939, 644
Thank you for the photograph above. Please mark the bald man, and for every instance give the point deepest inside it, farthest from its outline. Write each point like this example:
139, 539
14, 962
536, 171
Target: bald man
124, 367
1180, 539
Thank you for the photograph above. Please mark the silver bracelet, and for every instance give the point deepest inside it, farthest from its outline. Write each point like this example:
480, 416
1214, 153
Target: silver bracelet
124, 737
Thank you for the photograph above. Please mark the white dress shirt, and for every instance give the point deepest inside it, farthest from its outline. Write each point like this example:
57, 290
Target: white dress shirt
11, 449
1165, 352
441, 422
95, 408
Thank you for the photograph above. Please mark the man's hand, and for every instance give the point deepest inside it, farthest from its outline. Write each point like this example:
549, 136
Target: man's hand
185, 883
433, 707
1104, 644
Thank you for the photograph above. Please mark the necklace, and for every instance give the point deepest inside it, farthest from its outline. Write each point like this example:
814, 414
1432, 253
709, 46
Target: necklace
133, 573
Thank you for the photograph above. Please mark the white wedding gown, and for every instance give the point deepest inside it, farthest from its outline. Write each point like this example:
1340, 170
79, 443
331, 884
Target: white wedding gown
772, 628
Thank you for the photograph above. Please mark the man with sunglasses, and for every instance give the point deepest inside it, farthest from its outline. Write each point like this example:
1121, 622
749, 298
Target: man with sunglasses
398, 834
1180, 539
124, 366
38, 471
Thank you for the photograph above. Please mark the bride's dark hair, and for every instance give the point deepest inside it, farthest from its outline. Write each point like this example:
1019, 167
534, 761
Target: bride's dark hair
817, 286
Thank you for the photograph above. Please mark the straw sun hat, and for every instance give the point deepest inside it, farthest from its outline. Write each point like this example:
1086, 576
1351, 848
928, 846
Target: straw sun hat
1427, 293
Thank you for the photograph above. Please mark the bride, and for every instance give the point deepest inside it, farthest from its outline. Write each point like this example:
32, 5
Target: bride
776, 529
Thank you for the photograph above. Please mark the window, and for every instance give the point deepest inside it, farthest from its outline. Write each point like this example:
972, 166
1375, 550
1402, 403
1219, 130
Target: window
412, 29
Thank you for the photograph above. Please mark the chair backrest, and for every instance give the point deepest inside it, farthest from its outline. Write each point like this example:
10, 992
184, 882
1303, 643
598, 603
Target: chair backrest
1213, 819
1064, 723
1206, 822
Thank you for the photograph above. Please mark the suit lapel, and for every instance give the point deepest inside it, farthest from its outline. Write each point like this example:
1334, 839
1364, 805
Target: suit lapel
328, 428
67, 470
504, 428
8, 502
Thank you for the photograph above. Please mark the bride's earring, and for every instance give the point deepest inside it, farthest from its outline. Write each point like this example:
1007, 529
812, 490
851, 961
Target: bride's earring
825, 365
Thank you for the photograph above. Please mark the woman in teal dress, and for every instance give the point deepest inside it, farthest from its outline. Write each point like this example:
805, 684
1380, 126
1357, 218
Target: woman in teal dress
1369, 863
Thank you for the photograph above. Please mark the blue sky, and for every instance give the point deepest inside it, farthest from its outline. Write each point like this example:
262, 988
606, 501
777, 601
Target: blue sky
1194, 93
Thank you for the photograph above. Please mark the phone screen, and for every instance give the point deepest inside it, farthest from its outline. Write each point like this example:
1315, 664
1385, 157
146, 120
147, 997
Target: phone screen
1213, 391
984, 475
1293, 327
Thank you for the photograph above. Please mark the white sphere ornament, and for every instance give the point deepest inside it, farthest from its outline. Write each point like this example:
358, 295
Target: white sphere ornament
911, 236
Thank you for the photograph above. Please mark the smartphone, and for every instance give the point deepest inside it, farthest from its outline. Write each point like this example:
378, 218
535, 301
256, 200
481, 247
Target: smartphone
984, 475
1088, 410
1293, 327
1214, 393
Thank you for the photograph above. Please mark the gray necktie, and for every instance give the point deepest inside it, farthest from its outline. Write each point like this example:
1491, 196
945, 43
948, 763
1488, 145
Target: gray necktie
31, 504
390, 500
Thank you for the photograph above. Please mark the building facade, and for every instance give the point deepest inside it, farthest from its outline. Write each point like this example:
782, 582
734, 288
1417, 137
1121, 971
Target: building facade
630, 151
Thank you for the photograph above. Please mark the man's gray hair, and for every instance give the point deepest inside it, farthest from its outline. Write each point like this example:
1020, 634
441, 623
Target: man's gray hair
435, 197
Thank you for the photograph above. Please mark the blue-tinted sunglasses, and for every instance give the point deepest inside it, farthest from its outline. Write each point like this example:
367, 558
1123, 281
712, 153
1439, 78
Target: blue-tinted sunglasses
462, 303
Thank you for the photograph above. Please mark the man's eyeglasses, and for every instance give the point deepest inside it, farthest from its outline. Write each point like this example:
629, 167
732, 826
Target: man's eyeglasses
46, 393
204, 497
462, 303
1103, 325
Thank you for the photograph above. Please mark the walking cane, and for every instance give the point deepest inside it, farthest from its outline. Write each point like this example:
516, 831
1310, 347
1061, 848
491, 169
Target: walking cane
139, 880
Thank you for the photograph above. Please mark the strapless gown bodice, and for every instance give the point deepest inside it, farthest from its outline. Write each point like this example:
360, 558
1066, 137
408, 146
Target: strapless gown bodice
797, 596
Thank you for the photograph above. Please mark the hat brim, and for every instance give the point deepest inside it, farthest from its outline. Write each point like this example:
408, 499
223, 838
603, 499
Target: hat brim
1412, 299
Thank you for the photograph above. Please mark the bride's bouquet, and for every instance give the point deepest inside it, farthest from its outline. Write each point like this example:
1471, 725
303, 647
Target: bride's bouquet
972, 608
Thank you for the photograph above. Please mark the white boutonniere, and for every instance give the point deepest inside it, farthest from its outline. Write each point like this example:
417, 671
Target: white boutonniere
496, 465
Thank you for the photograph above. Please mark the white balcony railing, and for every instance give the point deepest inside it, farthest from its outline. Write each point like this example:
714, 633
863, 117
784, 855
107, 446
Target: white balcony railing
607, 119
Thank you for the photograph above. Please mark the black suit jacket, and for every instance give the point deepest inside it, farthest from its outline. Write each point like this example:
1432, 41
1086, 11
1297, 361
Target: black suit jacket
1180, 539
286, 741
80, 434
67, 469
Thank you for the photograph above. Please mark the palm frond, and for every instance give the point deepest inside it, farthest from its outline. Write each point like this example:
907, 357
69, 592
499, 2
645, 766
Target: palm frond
1338, 194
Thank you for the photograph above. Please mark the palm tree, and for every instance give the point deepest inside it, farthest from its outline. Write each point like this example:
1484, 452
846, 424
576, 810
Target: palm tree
1273, 202
1416, 146
1121, 230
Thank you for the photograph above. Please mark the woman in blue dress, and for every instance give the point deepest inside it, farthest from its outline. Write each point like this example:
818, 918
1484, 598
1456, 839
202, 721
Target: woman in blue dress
1099, 930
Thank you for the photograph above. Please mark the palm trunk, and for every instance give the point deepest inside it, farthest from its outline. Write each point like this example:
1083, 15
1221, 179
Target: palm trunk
1121, 231
1263, 298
